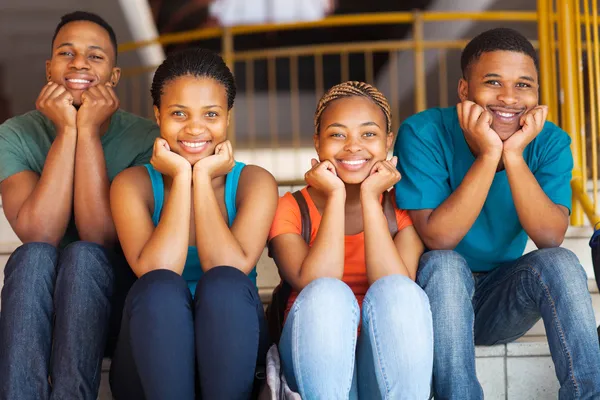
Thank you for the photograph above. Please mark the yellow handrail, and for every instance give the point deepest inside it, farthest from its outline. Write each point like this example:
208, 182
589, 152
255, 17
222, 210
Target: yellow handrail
333, 22
562, 50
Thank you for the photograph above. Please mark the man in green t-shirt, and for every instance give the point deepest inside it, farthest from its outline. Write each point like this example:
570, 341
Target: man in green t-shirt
56, 165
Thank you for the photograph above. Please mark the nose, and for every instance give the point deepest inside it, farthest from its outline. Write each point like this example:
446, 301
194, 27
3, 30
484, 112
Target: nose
352, 144
79, 62
508, 95
195, 127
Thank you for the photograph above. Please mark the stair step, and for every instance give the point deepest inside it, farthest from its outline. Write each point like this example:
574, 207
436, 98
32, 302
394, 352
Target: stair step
516, 371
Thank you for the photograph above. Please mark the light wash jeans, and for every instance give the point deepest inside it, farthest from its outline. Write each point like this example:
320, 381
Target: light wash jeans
499, 307
323, 358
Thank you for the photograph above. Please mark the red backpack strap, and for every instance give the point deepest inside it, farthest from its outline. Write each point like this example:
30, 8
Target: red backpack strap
389, 210
281, 294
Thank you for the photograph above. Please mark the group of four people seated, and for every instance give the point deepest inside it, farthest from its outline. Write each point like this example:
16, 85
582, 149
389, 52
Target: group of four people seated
140, 240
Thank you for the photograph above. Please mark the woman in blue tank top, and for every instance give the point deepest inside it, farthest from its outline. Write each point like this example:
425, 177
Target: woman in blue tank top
192, 225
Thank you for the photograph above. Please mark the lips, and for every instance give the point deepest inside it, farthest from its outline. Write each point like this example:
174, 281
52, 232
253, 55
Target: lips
79, 82
353, 164
506, 116
194, 146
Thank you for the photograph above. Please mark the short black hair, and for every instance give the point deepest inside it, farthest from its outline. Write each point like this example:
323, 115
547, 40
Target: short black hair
498, 39
90, 17
197, 62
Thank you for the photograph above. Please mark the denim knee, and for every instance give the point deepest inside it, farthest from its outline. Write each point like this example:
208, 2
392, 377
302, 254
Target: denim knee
557, 264
327, 299
444, 273
82, 263
396, 292
557, 268
29, 272
158, 291
224, 284
32, 262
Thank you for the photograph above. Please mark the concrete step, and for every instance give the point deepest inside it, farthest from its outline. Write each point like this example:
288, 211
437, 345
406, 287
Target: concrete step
521, 370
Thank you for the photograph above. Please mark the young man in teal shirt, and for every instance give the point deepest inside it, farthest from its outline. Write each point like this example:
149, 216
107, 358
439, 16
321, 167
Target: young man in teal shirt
56, 165
478, 179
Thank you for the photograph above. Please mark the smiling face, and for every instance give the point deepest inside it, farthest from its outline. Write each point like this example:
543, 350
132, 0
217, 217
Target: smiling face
506, 84
353, 137
193, 116
82, 56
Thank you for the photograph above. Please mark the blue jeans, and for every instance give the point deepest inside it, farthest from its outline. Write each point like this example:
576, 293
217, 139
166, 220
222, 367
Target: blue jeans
502, 305
54, 322
165, 334
392, 357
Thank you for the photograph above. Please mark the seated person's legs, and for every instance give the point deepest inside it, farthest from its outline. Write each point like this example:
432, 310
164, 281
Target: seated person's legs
448, 282
395, 347
82, 302
552, 284
26, 322
154, 358
319, 340
231, 333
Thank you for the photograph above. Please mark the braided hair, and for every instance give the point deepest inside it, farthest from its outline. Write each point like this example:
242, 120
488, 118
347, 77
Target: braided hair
350, 89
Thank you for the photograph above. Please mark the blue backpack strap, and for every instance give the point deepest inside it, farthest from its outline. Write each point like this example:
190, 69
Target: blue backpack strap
231, 185
158, 189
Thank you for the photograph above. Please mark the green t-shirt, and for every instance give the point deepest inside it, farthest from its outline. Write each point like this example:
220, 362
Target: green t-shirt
26, 139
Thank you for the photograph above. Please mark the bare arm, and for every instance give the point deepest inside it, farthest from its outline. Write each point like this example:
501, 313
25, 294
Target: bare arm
444, 227
145, 246
544, 221
299, 264
241, 246
92, 188
38, 208
92, 192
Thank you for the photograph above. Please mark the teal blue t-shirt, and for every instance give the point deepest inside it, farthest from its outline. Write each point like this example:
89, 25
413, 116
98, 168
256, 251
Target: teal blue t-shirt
433, 158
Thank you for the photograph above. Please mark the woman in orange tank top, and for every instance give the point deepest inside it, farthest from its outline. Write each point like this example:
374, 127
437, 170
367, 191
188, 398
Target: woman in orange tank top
353, 264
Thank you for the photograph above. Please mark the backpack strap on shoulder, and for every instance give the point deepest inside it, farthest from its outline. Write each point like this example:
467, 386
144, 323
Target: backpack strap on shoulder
389, 210
304, 215
281, 294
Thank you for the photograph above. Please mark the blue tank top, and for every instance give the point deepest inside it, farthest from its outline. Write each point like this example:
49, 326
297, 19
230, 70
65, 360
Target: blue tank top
192, 271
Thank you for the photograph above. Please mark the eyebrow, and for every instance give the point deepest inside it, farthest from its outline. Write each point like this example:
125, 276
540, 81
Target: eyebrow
338, 125
524, 77
186, 107
67, 44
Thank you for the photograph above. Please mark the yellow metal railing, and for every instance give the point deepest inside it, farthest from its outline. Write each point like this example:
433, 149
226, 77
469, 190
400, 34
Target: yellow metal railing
571, 87
569, 50
258, 125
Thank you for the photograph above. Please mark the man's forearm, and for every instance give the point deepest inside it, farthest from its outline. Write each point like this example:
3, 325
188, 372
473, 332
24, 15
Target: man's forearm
45, 214
544, 221
448, 224
92, 192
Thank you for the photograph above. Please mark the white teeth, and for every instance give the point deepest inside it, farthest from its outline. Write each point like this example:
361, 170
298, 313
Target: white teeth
353, 162
505, 115
78, 80
193, 144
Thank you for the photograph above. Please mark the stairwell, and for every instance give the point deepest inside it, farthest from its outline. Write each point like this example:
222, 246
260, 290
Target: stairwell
517, 371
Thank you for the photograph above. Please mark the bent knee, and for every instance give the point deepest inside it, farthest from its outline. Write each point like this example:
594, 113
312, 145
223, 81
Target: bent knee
158, 289
225, 283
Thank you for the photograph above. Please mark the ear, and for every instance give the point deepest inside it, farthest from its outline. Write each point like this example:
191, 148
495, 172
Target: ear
157, 115
389, 141
228, 117
48, 74
316, 142
115, 76
463, 89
